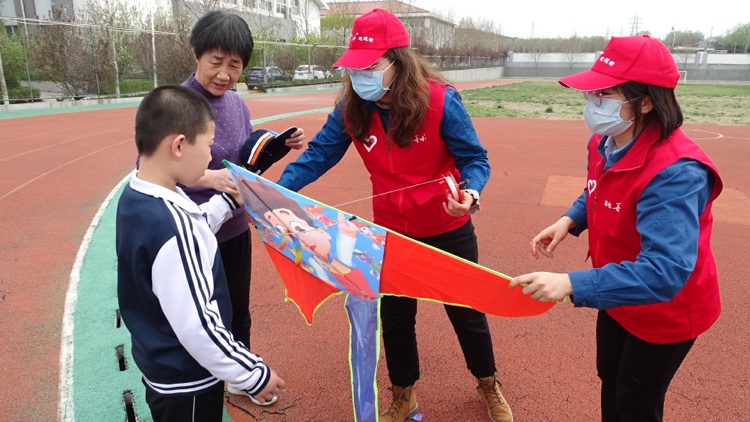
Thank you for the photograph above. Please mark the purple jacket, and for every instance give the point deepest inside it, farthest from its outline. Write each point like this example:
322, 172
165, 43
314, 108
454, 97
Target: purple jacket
233, 127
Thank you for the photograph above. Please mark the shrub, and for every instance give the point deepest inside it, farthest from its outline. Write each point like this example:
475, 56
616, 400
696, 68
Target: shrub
20, 95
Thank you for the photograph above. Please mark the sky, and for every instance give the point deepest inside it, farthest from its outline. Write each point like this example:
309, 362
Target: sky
555, 18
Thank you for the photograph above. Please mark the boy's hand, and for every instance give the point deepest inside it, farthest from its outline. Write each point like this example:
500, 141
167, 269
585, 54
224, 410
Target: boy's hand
236, 195
273, 388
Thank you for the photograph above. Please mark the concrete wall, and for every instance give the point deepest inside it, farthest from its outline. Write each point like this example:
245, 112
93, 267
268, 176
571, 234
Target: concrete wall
701, 66
468, 75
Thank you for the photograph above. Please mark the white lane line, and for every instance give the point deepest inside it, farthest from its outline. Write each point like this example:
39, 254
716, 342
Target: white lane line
61, 166
59, 143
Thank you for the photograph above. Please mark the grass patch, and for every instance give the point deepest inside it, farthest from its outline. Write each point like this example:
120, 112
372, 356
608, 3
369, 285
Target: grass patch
710, 104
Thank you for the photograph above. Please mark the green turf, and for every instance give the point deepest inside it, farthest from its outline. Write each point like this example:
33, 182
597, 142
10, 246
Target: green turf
98, 384
711, 104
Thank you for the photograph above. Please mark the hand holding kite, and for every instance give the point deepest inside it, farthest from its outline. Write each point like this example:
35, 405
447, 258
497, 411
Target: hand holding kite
544, 287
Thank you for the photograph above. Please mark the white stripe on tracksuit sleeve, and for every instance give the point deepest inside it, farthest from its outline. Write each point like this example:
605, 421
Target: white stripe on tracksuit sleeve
184, 292
218, 209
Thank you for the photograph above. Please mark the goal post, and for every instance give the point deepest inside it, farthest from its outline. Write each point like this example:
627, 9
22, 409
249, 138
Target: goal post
683, 76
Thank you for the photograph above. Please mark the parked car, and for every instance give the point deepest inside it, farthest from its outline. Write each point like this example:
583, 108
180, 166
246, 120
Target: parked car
307, 72
254, 76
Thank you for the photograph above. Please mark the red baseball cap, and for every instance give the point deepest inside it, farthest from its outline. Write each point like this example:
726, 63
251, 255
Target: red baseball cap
373, 33
628, 59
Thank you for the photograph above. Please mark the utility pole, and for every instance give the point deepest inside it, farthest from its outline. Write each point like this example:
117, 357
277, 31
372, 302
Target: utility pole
635, 25
25, 47
153, 47
3, 87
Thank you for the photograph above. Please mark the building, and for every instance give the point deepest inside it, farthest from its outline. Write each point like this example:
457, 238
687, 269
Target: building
272, 20
425, 28
34, 10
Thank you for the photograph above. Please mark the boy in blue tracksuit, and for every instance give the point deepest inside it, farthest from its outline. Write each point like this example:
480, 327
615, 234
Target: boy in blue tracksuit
171, 285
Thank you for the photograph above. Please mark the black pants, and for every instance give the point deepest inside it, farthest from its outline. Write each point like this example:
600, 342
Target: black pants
635, 374
235, 255
398, 316
208, 407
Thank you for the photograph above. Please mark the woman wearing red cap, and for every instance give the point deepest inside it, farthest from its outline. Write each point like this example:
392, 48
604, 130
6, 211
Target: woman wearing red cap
410, 128
647, 207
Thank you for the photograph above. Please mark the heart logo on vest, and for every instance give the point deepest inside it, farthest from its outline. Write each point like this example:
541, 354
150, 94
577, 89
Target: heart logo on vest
371, 141
592, 186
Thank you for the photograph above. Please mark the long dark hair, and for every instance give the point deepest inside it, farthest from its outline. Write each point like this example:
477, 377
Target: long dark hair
666, 112
410, 98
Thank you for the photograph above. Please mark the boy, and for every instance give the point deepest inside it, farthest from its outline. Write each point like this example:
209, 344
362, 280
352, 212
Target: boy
172, 288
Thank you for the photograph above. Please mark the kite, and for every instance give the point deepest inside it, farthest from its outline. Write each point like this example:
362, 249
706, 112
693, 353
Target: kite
320, 251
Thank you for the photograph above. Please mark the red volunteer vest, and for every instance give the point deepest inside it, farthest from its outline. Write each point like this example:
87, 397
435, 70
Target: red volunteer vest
417, 211
611, 200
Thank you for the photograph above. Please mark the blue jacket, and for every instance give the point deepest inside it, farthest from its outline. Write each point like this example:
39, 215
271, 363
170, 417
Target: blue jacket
674, 199
330, 144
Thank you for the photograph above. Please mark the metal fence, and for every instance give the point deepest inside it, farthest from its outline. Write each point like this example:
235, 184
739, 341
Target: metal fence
51, 60
60, 61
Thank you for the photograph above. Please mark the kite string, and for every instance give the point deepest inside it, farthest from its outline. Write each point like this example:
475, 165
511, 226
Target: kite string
386, 193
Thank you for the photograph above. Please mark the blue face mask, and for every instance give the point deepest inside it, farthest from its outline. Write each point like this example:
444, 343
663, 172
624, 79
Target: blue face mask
605, 119
368, 84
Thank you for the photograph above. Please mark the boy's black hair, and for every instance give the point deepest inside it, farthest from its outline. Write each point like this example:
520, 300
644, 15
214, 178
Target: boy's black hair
224, 31
170, 109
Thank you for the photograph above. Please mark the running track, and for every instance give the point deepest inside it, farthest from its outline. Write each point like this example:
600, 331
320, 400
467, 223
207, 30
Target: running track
57, 169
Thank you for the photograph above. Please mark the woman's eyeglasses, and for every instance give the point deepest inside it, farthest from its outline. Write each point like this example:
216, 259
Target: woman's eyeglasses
597, 97
367, 72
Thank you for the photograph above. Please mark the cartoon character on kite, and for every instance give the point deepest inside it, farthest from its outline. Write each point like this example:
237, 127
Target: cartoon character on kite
377, 239
286, 216
366, 258
316, 212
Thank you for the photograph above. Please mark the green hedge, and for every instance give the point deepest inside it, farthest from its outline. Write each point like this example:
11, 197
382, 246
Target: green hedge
134, 85
20, 95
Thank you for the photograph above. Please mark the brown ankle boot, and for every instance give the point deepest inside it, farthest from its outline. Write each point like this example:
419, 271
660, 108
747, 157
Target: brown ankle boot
404, 405
497, 407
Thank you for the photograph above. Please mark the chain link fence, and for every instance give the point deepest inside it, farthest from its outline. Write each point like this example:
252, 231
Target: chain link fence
58, 60
49, 60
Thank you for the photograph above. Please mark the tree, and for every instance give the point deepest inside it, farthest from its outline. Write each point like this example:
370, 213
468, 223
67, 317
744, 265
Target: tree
66, 55
736, 40
196, 8
174, 61
115, 56
684, 39
337, 26
436, 35
11, 67
573, 53
304, 26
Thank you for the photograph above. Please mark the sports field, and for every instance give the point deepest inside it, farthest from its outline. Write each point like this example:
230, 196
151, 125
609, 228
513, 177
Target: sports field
65, 355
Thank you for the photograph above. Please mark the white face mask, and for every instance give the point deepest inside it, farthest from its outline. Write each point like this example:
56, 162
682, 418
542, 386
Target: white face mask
605, 119
368, 84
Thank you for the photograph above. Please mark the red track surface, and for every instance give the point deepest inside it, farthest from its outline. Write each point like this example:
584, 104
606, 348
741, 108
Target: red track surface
56, 170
